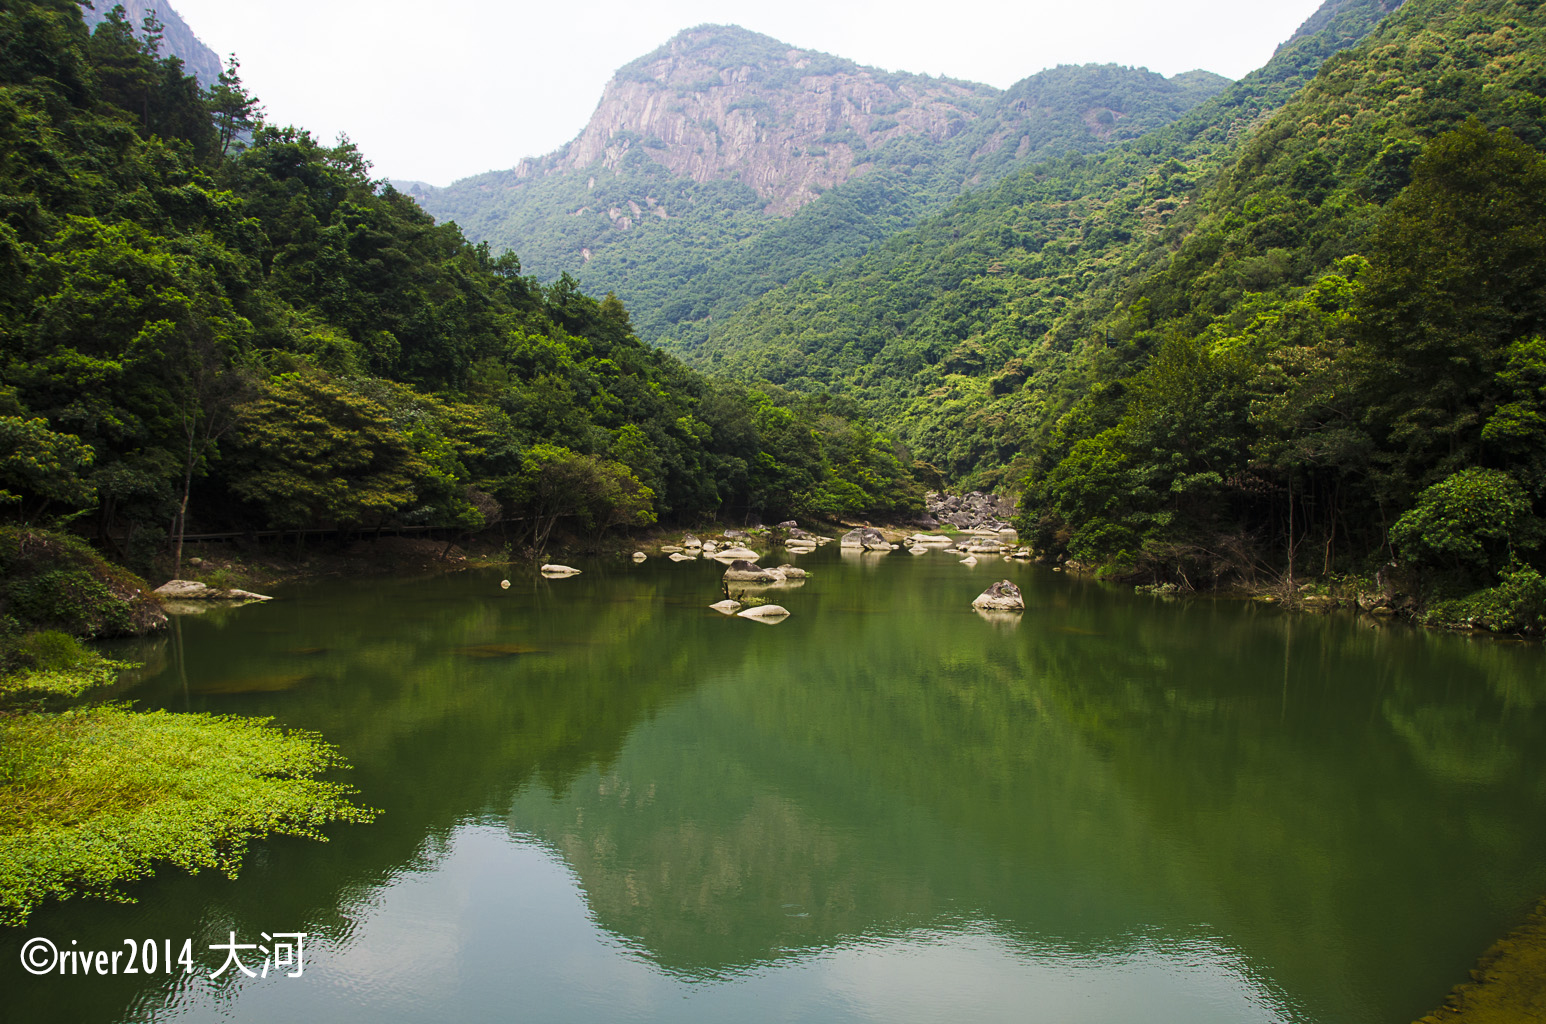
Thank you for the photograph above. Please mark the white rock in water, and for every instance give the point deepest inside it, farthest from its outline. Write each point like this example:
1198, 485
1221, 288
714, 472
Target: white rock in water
556, 571
639, 556
671, 549
677, 556
969, 560
504, 584
731, 554
726, 607
769, 613
192, 590
917, 549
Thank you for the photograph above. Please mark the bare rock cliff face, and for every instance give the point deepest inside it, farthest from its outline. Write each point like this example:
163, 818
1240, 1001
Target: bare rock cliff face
721, 103
178, 39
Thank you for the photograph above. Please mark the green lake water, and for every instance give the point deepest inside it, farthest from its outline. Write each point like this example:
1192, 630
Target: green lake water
604, 802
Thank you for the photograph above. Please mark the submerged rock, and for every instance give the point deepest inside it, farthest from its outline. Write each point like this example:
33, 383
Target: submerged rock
1003, 596
554, 572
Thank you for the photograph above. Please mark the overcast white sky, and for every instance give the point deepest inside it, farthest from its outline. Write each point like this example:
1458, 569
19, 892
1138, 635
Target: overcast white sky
442, 89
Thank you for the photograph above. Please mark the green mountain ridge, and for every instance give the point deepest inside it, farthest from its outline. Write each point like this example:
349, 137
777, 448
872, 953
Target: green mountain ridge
726, 163
197, 330
1300, 319
921, 329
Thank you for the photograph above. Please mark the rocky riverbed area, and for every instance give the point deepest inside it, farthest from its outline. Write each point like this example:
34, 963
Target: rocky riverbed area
972, 511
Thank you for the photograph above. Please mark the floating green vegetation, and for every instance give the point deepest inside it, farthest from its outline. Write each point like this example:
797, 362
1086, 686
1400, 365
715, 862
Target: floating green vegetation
95, 798
53, 664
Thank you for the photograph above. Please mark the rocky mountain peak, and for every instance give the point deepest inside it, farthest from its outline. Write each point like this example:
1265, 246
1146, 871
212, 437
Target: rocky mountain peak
719, 102
177, 40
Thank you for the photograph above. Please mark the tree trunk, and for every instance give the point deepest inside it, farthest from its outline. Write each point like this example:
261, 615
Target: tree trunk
182, 519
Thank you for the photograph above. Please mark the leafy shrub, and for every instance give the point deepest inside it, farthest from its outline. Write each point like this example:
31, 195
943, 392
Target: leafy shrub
55, 651
55, 581
1516, 605
72, 600
1471, 520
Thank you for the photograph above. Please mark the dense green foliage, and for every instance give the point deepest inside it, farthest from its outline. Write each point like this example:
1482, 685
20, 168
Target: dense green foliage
194, 328
93, 799
943, 328
53, 581
694, 252
1218, 350
48, 663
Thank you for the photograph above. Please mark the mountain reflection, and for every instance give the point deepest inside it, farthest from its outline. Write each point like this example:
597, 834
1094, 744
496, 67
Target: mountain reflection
1110, 795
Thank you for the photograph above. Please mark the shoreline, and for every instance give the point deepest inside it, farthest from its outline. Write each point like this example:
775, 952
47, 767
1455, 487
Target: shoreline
1508, 983
227, 564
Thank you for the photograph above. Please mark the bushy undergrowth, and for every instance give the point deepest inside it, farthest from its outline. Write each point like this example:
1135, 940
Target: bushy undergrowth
1516, 605
52, 580
95, 798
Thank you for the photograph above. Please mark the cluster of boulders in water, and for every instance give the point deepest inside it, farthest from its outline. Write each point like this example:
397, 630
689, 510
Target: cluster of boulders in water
989, 536
972, 511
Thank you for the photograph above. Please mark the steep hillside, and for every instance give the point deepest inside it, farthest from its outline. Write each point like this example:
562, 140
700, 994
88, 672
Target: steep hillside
178, 40
270, 338
1317, 347
960, 332
726, 163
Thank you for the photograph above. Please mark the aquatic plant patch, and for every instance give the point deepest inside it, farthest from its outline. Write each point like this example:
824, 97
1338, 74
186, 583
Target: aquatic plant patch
95, 798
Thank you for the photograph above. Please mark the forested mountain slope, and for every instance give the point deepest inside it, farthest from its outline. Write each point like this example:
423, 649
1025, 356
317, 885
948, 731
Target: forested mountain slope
265, 336
726, 163
1215, 351
946, 315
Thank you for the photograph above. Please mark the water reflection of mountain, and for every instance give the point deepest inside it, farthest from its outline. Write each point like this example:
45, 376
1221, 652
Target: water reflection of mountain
436, 736
1107, 770
1325, 799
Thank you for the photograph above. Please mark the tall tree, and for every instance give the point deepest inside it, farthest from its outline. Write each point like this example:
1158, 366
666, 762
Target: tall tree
236, 111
